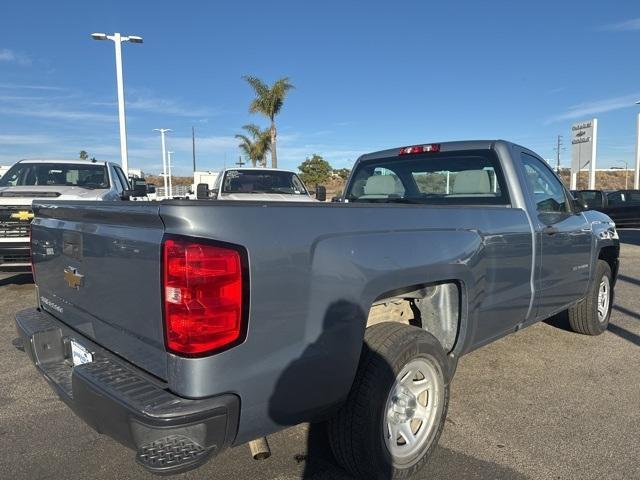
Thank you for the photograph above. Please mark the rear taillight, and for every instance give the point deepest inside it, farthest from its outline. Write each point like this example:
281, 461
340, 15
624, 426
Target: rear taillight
204, 296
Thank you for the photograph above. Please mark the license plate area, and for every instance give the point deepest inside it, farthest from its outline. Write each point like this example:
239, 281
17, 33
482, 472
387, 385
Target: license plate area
79, 354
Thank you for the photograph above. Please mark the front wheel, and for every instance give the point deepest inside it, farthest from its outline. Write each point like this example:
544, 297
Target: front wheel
591, 315
397, 405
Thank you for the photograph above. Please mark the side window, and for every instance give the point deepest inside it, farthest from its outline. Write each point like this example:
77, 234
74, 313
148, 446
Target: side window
616, 198
117, 183
546, 190
123, 178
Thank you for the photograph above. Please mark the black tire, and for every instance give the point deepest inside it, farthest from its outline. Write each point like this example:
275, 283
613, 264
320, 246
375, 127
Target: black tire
583, 316
357, 432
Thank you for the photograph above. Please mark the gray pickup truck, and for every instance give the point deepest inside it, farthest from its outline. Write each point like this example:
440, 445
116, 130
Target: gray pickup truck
181, 328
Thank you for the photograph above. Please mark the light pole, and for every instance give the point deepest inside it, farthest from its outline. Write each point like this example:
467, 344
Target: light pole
169, 165
164, 156
117, 40
636, 173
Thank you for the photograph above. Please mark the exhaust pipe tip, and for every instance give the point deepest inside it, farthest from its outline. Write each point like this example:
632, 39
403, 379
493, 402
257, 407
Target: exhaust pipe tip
260, 448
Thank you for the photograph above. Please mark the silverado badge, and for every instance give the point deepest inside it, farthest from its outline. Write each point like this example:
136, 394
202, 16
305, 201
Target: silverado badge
22, 215
73, 278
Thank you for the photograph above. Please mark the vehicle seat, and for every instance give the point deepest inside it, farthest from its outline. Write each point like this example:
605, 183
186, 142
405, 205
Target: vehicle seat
472, 183
96, 179
382, 186
56, 179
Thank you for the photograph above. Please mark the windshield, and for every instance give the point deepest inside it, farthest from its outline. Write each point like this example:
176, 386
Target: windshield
262, 181
465, 177
56, 175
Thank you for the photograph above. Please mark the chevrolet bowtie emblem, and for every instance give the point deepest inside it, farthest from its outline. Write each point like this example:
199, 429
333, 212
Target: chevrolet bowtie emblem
73, 278
22, 215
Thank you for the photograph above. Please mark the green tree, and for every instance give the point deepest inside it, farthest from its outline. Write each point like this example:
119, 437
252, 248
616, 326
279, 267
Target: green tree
343, 173
84, 155
255, 144
315, 170
268, 102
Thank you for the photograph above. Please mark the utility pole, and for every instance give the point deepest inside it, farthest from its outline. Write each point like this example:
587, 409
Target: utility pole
169, 168
193, 147
240, 163
557, 149
164, 156
636, 171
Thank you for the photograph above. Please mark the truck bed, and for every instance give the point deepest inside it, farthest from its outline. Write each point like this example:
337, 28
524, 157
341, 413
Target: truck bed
314, 271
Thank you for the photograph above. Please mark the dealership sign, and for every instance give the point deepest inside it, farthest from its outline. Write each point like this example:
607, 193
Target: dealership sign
583, 150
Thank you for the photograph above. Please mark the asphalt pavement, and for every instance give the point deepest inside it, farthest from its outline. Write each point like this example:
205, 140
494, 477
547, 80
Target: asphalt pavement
543, 403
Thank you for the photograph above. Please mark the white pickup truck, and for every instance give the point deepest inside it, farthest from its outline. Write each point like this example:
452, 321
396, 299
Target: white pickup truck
29, 180
260, 184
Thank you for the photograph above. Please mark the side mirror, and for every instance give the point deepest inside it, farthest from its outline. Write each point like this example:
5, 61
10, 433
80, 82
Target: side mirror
321, 193
140, 190
127, 194
580, 205
202, 191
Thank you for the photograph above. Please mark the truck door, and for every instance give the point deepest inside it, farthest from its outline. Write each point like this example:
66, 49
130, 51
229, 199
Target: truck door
563, 236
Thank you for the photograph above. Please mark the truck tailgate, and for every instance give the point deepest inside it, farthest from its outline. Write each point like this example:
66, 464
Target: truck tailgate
97, 268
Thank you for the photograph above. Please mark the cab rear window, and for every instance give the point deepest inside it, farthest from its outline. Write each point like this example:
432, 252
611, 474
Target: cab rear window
457, 178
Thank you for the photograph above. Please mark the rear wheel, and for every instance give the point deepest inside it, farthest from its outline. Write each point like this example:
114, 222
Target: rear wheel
396, 409
591, 315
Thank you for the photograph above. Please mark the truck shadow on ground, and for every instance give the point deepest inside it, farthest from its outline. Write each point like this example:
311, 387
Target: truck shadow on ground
630, 236
316, 455
444, 463
561, 321
16, 279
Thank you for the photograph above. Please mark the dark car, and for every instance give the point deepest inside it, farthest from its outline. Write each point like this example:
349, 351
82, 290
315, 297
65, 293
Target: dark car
623, 206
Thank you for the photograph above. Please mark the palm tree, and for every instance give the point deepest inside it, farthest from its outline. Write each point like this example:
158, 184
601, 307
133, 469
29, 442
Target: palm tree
268, 102
256, 144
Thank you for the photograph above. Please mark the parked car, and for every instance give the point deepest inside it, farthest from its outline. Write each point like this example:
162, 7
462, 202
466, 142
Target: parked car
623, 206
28, 180
259, 184
185, 327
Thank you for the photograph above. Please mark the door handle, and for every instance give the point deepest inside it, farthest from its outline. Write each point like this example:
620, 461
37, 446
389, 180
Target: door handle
549, 230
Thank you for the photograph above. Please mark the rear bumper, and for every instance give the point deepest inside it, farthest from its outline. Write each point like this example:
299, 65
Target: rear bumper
171, 434
15, 256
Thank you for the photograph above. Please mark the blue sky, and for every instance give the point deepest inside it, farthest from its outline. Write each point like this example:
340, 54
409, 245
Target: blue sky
369, 75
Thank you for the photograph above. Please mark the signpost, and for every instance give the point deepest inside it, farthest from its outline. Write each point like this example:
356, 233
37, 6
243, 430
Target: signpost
584, 139
636, 176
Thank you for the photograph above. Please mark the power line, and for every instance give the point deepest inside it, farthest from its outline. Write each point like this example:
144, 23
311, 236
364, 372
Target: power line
193, 147
558, 148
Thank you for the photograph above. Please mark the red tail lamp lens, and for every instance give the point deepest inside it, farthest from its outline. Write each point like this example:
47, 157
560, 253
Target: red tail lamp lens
203, 296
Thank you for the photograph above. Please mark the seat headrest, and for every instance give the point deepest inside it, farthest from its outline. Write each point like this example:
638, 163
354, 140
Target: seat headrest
380, 185
471, 181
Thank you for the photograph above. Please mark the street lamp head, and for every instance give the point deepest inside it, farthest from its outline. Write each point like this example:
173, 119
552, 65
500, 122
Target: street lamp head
135, 39
99, 36
638, 102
